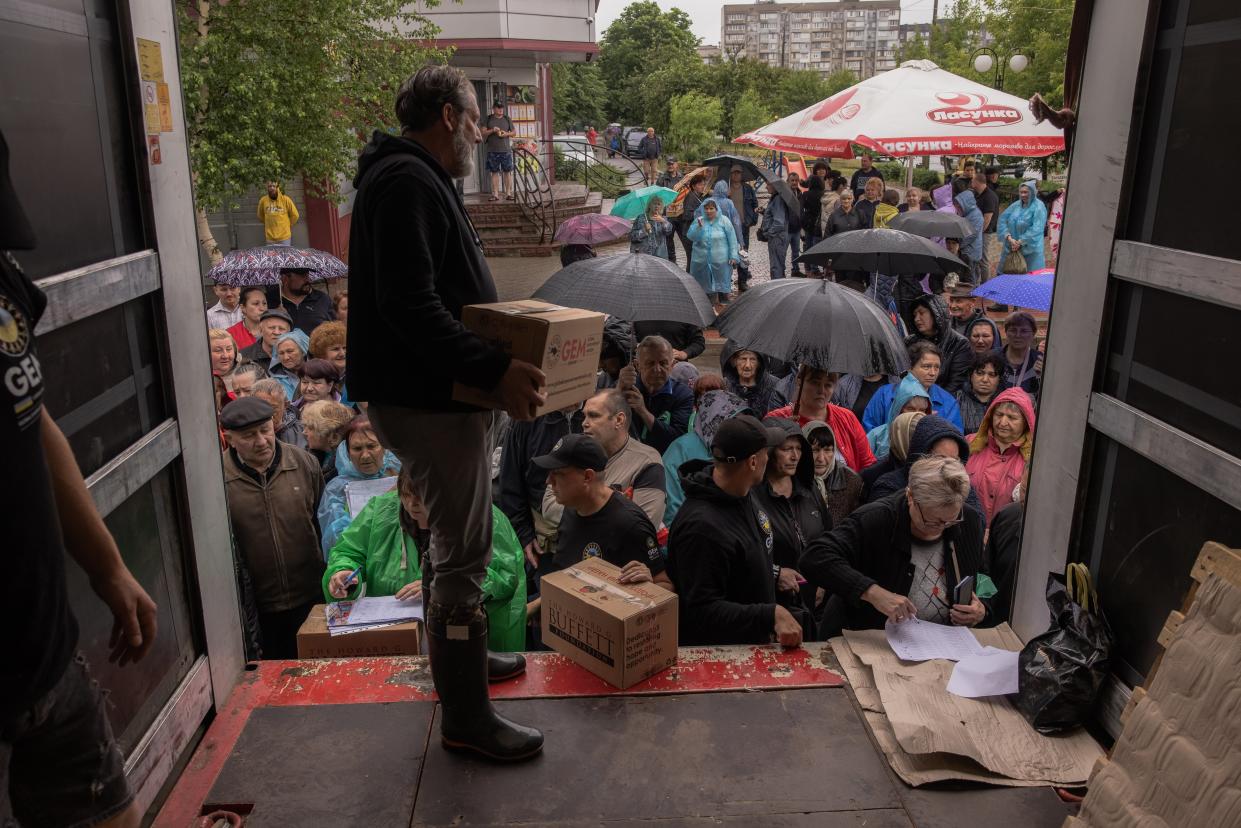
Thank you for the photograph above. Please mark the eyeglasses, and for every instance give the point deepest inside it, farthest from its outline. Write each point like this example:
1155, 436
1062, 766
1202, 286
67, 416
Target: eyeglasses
940, 524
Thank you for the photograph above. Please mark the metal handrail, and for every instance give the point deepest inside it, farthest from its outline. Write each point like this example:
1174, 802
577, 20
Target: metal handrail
533, 192
588, 150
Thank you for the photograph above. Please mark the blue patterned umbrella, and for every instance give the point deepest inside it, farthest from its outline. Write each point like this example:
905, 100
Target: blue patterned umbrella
262, 265
1022, 290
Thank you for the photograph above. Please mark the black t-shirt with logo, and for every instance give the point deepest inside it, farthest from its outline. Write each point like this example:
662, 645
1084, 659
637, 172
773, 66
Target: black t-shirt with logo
41, 635
620, 532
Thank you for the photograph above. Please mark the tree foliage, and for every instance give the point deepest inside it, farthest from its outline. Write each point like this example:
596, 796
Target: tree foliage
749, 114
579, 96
287, 87
695, 119
642, 40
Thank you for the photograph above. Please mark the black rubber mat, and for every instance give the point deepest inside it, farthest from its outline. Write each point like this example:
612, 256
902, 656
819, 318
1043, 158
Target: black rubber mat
327, 765
748, 758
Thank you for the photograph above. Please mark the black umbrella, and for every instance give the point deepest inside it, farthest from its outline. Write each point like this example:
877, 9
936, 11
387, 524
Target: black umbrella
818, 323
749, 170
781, 188
892, 252
932, 224
635, 287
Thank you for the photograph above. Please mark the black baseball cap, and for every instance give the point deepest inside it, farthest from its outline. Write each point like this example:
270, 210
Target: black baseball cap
574, 451
739, 437
245, 412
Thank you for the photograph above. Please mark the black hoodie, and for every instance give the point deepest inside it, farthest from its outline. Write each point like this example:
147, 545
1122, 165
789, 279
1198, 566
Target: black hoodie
929, 431
414, 262
720, 559
764, 395
954, 368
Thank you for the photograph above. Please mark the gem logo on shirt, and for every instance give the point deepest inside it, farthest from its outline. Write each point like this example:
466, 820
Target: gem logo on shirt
652, 549
592, 550
23, 376
14, 330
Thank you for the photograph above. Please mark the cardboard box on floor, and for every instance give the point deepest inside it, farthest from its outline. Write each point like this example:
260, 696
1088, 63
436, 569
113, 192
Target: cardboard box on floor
622, 633
314, 640
564, 342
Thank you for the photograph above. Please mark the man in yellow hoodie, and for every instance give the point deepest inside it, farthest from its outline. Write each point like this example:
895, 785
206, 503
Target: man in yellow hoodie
278, 214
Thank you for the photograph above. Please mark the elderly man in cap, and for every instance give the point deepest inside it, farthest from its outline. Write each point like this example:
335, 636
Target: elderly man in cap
307, 307
964, 307
272, 490
720, 546
273, 324
598, 521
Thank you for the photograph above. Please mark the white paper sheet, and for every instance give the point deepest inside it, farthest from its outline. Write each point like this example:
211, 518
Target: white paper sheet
359, 492
917, 640
385, 609
993, 672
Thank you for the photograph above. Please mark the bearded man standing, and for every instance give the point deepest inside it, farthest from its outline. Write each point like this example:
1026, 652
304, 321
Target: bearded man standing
415, 262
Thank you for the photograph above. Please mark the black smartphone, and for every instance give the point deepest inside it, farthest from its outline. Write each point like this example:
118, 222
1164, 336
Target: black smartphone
965, 590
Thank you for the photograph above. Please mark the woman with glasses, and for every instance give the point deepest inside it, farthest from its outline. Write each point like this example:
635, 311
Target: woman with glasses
903, 556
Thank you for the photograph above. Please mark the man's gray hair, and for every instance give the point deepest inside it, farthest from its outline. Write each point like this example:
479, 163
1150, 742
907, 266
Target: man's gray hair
421, 98
259, 372
654, 341
269, 386
935, 482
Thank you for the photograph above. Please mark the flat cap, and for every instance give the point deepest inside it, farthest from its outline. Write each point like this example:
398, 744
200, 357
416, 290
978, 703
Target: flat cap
245, 412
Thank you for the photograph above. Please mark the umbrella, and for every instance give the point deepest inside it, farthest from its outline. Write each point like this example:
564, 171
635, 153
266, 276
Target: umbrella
262, 265
781, 188
915, 109
891, 252
592, 228
633, 204
689, 177
634, 287
816, 322
1022, 290
932, 224
749, 170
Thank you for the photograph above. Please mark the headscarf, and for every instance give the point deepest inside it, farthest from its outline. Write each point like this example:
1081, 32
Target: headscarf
288, 380
835, 478
713, 409
1019, 398
298, 337
880, 436
900, 435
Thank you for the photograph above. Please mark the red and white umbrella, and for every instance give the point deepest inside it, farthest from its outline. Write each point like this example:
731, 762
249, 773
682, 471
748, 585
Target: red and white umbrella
916, 109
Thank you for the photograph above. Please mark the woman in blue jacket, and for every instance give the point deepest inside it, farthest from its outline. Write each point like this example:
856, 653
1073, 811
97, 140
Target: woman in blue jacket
715, 251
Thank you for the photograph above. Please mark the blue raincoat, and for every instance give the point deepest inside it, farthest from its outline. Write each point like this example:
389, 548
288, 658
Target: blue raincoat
654, 241
334, 515
715, 245
1025, 223
906, 391
971, 245
287, 379
725, 205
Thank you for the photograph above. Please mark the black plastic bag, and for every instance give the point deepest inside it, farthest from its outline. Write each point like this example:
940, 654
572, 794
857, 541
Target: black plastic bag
1061, 671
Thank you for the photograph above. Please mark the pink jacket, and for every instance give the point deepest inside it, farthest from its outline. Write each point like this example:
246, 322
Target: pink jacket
994, 474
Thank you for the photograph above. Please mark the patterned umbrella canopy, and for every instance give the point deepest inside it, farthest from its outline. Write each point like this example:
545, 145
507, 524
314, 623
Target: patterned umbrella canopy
1022, 290
262, 265
592, 228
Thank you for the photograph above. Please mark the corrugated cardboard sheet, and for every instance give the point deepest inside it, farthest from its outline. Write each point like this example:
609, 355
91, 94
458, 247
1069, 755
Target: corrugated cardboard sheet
1178, 760
931, 735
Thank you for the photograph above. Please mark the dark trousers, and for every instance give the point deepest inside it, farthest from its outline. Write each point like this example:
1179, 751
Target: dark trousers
687, 245
278, 631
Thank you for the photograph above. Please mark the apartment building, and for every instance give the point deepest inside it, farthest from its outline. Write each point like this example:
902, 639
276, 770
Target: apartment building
859, 35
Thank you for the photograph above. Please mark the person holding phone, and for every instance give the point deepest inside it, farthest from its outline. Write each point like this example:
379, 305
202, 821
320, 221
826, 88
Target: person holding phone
903, 556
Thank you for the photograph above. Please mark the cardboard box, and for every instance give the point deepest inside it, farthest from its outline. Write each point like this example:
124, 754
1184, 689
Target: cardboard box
622, 633
314, 641
564, 342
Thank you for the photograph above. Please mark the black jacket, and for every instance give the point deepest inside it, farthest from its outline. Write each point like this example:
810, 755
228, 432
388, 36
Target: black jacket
841, 222
1003, 546
414, 262
682, 335
812, 205
865, 211
764, 395
521, 481
672, 406
720, 559
314, 309
929, 431
954, 368
872, 546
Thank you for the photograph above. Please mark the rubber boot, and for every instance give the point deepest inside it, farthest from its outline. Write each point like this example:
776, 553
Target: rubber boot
500, 666
457, 643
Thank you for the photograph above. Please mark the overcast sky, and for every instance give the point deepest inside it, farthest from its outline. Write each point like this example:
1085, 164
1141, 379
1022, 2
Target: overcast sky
706, 14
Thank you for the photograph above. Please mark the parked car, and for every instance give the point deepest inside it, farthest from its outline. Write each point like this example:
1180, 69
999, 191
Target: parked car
633, 137
574, 148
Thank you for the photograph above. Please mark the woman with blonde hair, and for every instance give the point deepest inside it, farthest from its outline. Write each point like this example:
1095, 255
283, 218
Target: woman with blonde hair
224, 354
324, 423
904, 555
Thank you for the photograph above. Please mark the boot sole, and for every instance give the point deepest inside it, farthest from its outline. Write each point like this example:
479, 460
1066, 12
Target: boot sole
463, 747
506, 676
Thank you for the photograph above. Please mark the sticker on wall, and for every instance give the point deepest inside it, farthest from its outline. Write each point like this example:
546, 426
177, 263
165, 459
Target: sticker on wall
150, 60
153, 149
164, 101
150, 107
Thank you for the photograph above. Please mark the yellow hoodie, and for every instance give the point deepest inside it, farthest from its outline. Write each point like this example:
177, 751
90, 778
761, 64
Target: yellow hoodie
278, 216
883, 214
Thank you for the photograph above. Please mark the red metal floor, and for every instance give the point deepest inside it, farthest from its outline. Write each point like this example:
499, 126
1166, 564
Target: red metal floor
549, 676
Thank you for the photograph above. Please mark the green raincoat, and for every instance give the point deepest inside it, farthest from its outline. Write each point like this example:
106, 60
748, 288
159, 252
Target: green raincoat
389, 561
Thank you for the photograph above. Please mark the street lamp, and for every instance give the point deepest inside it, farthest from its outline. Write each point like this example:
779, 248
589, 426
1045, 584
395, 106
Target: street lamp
986, 59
